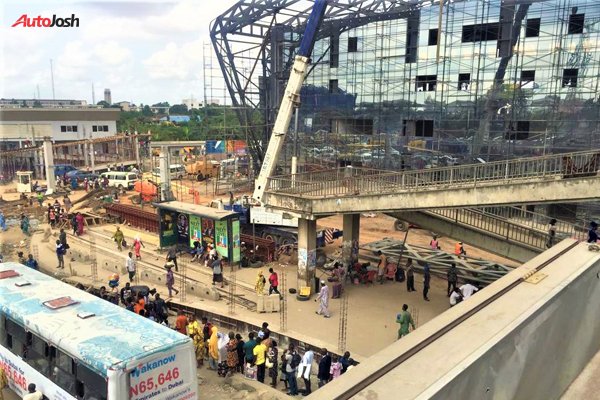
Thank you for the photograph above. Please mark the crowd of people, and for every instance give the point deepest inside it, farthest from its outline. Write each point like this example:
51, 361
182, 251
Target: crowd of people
258, 357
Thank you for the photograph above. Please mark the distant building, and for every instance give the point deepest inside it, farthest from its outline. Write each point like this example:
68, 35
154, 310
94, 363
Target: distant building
192, 103
43, 103
107, 96
18, 126
127, 106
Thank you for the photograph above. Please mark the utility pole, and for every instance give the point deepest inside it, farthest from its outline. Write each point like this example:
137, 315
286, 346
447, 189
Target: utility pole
52, 78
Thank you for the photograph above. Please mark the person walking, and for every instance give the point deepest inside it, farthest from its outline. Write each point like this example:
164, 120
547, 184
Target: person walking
260, 355
426, 281
2, 221
74, 224
172, 256
551, 233
323, 299
273, 282
119, 237
410, 276
304, 370
52, 217
40, 198
130, 265
171, 281
217, 268
324, 372
406, 321
137, 247
452, 276
60, 252
25, 224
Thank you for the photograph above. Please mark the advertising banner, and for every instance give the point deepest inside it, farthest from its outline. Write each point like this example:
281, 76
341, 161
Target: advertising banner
195, 229
235, 232
221, 238
182, 228
215, 146
20, 375
166, 376
168, 228
208, 231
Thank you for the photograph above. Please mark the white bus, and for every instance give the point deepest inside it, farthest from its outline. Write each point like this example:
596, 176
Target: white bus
122, 180
74, 345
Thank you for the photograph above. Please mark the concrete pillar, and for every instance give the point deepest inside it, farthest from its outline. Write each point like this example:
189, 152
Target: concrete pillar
136, 147
92, 149
165, 176
307, 252
49, 164
351, 236
37, 164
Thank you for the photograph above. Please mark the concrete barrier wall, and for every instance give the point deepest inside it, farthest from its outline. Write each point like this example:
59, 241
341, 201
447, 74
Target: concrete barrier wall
539, 358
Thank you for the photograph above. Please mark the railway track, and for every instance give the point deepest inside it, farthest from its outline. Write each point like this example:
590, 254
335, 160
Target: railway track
362, 384
240, 299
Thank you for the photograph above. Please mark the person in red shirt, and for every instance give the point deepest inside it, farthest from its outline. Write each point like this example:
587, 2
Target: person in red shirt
273, 282
181, 323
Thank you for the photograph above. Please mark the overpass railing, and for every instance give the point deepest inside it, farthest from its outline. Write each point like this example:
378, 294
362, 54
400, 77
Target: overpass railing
351, 181
513, 224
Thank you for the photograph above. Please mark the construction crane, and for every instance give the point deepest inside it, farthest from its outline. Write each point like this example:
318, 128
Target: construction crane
291, 98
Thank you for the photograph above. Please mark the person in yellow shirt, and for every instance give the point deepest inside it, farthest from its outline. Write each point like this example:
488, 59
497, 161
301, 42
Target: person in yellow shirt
260, 355
194, 330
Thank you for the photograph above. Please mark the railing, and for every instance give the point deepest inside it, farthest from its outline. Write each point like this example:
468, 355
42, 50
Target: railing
513, 224
359, 181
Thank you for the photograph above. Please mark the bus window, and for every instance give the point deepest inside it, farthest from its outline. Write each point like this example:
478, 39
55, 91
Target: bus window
17, 338
37, 355
90, 385
63, 373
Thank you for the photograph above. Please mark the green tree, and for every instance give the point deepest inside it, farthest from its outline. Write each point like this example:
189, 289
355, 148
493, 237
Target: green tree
103, 103
146, 111
178, 109
37, 104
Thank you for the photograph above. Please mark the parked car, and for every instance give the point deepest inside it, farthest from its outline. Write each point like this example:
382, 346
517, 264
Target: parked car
81, 175
61, 169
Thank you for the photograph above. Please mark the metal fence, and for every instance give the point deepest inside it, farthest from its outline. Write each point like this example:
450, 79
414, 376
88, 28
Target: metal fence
351, 181
513, 224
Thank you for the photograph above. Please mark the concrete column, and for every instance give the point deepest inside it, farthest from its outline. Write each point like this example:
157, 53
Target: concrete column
49, 164
136, 147
307, 252
38, 164
92, 149
351, 236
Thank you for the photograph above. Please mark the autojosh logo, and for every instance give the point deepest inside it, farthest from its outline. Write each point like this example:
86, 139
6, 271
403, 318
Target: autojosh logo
44, 22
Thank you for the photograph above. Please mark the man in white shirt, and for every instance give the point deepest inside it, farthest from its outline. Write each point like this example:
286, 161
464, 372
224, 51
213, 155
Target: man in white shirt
455, 297
32, 393
130, 265
467, 290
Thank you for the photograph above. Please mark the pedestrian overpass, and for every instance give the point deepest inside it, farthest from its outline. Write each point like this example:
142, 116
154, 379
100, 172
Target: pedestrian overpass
556, 178
569, 177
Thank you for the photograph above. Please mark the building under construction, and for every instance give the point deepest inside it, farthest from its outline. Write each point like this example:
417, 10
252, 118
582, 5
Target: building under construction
460, 80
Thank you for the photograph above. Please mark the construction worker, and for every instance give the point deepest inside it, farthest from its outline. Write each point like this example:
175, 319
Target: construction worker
459, 250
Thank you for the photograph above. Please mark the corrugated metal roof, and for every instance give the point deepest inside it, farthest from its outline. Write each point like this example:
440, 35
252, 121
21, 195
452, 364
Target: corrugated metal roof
202, 211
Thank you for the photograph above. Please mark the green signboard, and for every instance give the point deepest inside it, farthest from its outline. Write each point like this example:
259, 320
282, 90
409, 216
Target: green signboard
221, 238
168, 237
195, 230
235, 232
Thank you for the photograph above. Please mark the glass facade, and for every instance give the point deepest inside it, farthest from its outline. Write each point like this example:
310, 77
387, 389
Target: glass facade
481, 79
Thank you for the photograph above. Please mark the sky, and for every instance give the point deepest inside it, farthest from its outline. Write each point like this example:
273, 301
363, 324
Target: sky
144, 51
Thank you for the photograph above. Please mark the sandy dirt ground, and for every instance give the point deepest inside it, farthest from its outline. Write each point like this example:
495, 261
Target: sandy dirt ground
371, 322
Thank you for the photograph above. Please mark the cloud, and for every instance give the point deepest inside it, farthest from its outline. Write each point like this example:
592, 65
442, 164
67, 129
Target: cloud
146, 51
